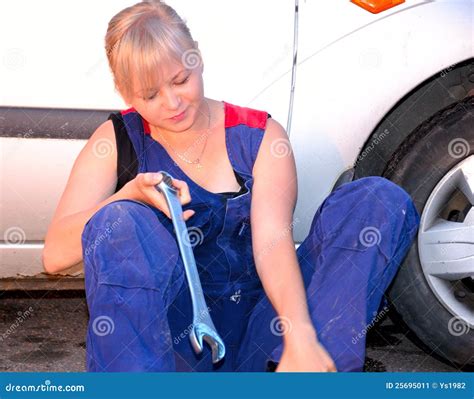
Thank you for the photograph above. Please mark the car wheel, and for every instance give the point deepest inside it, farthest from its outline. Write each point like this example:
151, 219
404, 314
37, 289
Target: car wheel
433, 292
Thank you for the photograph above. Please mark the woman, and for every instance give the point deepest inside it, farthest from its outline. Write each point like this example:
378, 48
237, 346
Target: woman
273, 306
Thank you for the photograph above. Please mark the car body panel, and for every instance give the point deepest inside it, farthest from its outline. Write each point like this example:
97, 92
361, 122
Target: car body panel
352, 67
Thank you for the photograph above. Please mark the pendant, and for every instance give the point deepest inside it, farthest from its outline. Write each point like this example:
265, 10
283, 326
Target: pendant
199, 166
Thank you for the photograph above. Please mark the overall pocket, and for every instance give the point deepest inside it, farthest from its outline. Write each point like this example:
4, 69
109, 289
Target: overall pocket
244, 237
201, 224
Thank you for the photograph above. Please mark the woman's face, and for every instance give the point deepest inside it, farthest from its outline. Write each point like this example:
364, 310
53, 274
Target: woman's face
181, 90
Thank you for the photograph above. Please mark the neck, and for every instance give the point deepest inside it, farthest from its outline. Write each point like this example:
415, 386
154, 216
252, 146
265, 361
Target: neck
195, 134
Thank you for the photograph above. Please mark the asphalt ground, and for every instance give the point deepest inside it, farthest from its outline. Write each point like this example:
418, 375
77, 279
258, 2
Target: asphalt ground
45, 331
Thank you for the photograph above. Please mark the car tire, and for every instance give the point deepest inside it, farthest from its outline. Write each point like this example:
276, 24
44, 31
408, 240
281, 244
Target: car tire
429, 154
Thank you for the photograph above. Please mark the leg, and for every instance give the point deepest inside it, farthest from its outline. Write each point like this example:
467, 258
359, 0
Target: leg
358, 238
132, 274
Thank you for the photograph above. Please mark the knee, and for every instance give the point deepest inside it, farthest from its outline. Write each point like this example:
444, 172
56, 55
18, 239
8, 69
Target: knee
384, 190
117, 214
124, 220
124, 237
374, 200
371, 192
118, 219
391, 199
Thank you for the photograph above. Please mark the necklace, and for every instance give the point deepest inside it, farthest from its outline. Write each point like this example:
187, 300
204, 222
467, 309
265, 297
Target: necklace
198, 160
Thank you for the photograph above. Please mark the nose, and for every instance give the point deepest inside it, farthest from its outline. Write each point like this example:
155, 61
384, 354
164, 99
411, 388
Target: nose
171, 100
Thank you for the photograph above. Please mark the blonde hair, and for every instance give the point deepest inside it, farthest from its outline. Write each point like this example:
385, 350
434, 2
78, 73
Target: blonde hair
142, 37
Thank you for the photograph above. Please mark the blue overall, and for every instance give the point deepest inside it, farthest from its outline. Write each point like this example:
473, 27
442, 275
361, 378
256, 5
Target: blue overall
136, 289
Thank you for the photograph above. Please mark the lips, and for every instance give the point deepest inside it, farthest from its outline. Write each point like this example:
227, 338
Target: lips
177, 115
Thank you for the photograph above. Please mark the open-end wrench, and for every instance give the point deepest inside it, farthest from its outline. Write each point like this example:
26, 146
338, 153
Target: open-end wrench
203, 327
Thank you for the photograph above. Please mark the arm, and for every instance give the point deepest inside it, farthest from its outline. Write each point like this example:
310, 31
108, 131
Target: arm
274, 195
275, 184
90, 186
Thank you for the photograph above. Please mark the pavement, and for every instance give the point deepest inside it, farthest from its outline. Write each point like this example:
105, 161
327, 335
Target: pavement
45, 331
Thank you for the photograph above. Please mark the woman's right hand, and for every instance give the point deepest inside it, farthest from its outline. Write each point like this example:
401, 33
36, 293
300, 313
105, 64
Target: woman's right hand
142, 188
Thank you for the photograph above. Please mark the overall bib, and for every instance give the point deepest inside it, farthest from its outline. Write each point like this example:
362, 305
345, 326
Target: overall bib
140, 312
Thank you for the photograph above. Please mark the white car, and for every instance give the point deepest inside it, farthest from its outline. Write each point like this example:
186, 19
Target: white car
361, 93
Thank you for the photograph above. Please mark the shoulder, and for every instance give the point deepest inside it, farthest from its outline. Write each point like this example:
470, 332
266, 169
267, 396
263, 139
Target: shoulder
101, 146
238, 115
275, 149
105, 130
274, 130
275, 140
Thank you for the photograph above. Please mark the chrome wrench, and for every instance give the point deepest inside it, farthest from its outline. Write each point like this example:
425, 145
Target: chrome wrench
203, 327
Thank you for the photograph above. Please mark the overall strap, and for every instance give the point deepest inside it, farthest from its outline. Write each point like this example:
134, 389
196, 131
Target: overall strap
245, 128
244, 133
128, 129
127, 162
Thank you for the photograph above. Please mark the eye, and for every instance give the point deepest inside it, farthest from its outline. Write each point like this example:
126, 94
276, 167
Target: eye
151, 97
183, 81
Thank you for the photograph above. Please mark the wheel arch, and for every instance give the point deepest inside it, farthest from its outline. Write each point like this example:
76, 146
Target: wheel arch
443, 89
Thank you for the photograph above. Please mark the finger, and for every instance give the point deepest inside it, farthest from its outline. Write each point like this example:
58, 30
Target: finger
163, 206
183, 191
152, 178
166, 211
332, 368
188, 214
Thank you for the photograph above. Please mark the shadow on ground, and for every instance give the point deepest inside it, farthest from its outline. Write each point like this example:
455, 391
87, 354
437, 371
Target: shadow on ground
45, 331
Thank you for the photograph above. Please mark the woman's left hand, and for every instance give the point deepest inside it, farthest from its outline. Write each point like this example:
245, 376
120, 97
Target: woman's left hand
305, 355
